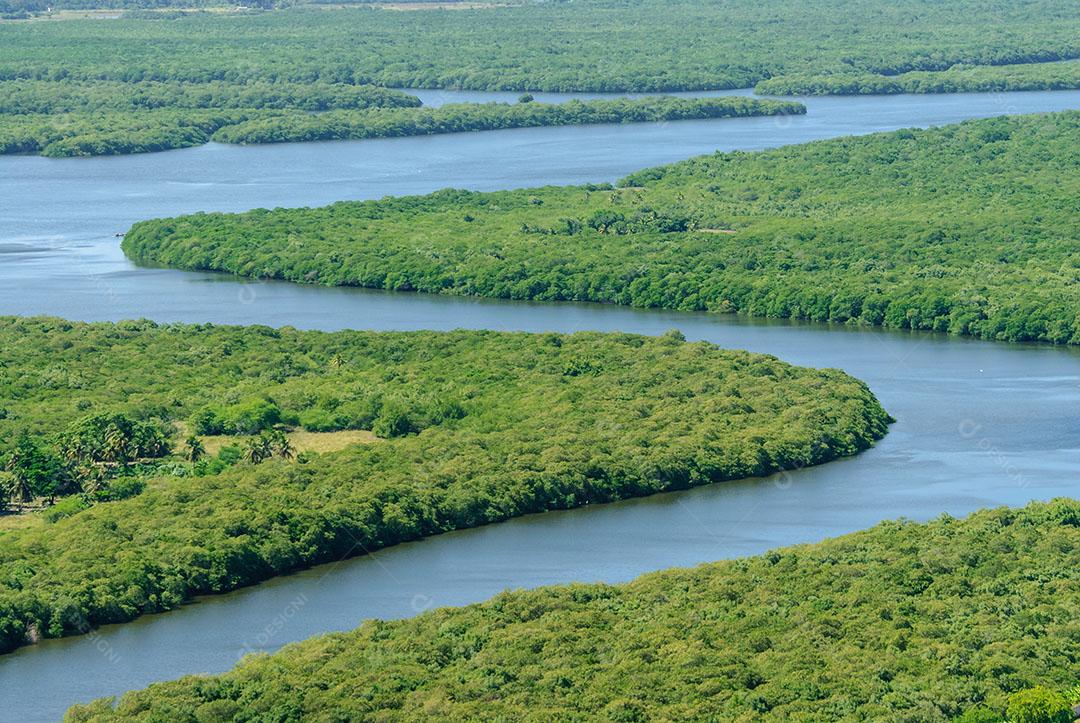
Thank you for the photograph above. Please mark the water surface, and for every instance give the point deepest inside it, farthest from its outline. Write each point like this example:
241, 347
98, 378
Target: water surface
59, 217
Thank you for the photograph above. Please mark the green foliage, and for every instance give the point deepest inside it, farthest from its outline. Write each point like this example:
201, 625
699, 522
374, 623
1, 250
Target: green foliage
459, 117
248, 417
902, 622
968, 229
979, 714
65, 508
227, 456
103, 133
157, 81
83, 458
113, 439
196, 450
480, 426
52, 97
101, 117
960, 78
595, 45
109, 132
33, 470
120, 489
1038, 705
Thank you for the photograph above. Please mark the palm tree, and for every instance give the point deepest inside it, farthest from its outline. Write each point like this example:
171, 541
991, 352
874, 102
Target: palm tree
283, 446
258, 449
157, 445
195, 448
116, 445
6, 481
90, 477
18, 484
253, 451
18, 488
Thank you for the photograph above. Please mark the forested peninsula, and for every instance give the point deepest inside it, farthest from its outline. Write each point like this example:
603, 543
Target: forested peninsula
969, 229
465, 428
971, 620
458, 117
364, 113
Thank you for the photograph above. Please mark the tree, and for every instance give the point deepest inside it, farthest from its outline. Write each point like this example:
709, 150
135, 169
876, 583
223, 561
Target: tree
258, 449
979, 714
35, 472
90, 477
1038, 705
8, 493
195, 448
281, 445
113, 440
18, 488
117, 442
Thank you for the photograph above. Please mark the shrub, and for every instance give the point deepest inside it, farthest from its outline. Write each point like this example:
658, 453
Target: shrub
1038, 705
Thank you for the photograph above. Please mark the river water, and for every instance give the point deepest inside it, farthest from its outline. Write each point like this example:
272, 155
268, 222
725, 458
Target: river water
979, 423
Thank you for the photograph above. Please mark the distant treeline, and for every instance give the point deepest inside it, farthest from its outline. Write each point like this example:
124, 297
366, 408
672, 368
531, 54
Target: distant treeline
971, 621
161, 127
107, 133
69, 96
586, 45
957, 79
460, 117
969, 229
473, 427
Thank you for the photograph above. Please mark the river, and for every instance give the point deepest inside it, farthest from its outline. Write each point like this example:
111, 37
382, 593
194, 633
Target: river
979, 423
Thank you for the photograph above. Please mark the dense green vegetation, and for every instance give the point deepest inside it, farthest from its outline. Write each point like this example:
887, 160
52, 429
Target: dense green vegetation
493, 116
161, 126
969, 229
476, 427
32, 97
106, 133
144, 84
617, 45
100, 456
960, 78
102, 117
902, 622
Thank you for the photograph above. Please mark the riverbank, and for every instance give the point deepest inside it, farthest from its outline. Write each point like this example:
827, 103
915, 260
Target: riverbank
476, 427
108, 132
958, 229
901, 620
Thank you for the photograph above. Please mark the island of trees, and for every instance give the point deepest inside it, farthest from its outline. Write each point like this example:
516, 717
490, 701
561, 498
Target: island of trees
87, 123
457, 117
466, 428
968, 229
970, 620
